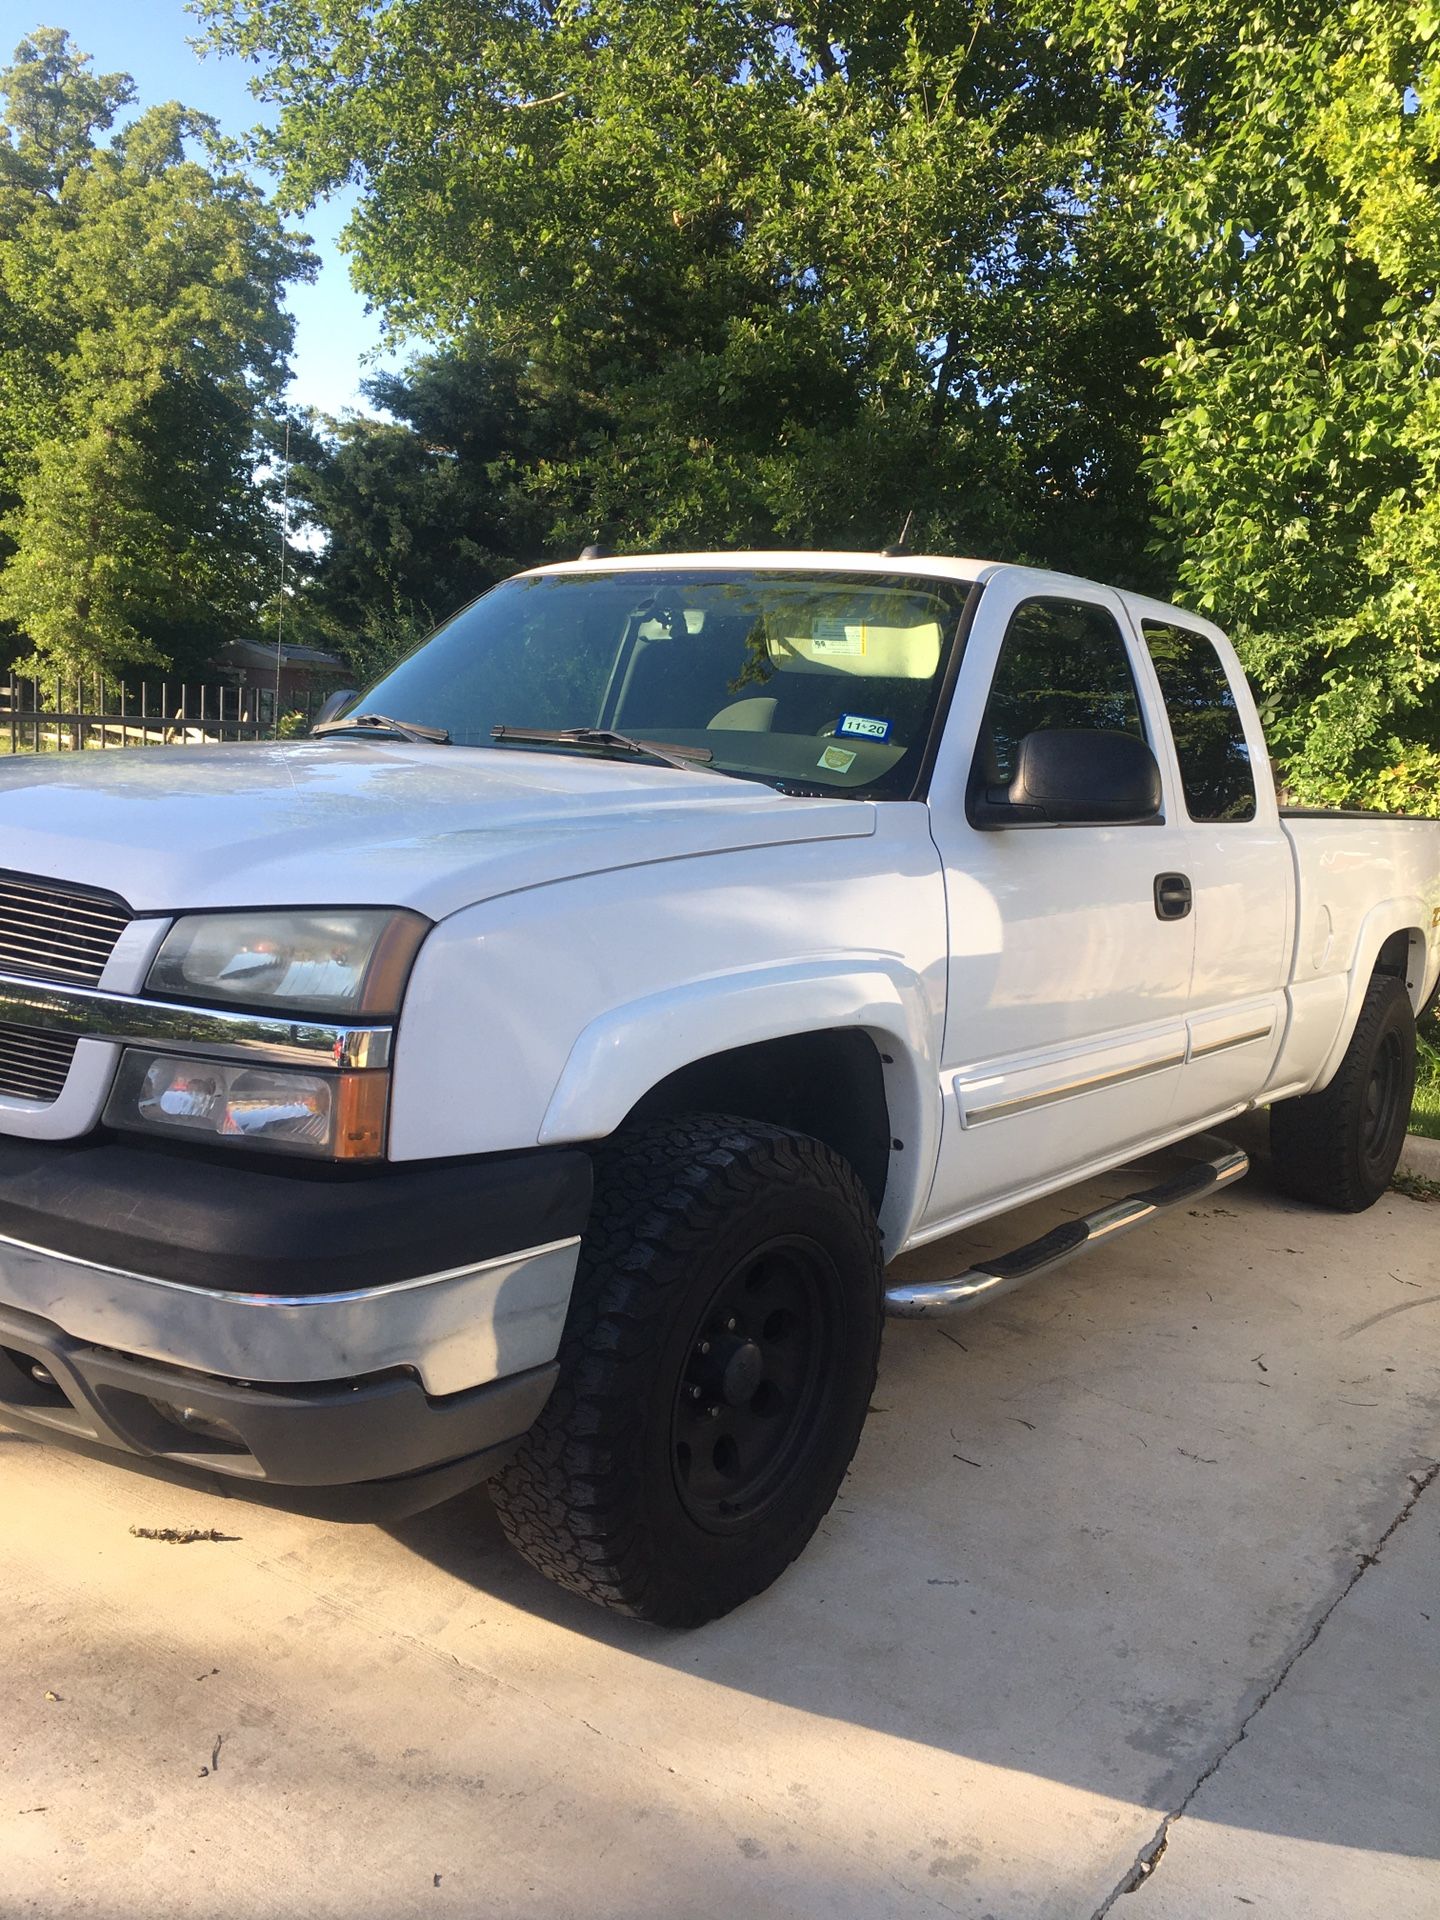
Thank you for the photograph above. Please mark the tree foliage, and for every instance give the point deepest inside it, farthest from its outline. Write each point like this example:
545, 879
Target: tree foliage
792, 275
142, 340
431, 500
1142, 288
1072, 281
1292, 193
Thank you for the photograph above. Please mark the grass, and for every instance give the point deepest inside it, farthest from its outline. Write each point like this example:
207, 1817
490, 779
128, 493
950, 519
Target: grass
1425, 1114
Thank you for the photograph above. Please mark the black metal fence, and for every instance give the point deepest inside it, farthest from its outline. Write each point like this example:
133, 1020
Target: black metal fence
69, 716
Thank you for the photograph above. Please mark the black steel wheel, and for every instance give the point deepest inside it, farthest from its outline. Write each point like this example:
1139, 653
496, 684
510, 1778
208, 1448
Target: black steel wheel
746, 1401
1340, 1147
1381, 1101
715, 1372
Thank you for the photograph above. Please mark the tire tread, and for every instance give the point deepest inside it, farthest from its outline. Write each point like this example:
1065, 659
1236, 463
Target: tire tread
567, 1500
1314, 1140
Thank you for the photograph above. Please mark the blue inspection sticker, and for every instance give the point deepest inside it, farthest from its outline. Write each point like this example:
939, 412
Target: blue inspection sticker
859, 726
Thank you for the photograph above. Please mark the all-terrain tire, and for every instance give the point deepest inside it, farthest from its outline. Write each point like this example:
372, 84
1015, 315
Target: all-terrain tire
722, 1341
1339, 1148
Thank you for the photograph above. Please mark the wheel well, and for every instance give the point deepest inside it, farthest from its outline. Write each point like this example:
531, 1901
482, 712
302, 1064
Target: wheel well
830, 1085
1403, 957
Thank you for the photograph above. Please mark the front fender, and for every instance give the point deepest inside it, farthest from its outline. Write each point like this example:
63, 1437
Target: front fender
630, 1048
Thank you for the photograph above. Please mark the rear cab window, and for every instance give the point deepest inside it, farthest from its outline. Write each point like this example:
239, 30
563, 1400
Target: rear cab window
1216, 774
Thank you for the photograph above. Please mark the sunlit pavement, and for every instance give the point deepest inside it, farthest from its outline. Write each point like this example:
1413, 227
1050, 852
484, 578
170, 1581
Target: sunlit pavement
1101, 1579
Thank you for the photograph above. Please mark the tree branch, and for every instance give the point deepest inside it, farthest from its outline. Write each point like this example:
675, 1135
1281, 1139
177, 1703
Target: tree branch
528, 106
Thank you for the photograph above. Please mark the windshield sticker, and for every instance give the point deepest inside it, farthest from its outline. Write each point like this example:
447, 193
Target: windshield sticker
832, 637
836, 760
859, 726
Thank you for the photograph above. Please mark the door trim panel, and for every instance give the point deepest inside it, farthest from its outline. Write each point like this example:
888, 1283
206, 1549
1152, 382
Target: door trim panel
1224, 1046
1008, 1088
1218, 1032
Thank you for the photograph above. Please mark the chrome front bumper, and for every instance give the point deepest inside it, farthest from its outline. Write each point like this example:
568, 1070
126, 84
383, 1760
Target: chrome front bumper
356, 1347
453, 1330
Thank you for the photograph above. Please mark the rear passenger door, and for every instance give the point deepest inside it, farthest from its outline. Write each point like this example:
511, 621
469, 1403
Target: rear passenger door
1068, 989
1237, 860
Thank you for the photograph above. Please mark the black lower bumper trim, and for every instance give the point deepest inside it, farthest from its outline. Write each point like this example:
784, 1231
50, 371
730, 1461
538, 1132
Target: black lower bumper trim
332, 1435
365, 1501
261, 1229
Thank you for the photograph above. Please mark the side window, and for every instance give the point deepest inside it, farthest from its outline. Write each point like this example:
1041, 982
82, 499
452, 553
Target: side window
1063, 664
1215, 769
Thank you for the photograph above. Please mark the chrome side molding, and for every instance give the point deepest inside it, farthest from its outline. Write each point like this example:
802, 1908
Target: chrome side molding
1205, 1048
1206, 1164
982, 1116
92, 1014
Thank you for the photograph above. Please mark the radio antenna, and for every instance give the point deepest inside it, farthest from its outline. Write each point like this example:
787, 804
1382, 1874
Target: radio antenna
902, 545
280, 596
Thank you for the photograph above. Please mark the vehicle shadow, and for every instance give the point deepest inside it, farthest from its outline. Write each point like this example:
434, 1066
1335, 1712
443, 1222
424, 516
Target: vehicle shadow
1091, 1526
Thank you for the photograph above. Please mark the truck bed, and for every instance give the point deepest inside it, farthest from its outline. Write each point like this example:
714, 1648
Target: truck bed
1357, 876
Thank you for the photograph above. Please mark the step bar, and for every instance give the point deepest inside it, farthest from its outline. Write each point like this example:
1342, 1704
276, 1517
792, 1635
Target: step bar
1207, 1163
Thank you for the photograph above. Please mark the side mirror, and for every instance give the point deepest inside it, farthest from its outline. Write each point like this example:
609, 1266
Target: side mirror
1077, 776
333, 703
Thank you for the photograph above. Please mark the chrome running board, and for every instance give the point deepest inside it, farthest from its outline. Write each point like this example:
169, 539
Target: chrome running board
1208, 1163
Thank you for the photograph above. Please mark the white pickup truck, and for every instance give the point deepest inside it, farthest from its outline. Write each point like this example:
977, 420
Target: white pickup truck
531, 1075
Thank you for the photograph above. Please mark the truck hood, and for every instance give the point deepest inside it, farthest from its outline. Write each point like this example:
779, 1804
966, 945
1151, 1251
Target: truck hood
359, 822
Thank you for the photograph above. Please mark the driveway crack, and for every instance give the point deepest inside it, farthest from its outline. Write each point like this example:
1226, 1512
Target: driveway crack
1149, 1856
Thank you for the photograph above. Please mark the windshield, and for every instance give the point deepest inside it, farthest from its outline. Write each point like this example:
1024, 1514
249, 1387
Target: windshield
815, 680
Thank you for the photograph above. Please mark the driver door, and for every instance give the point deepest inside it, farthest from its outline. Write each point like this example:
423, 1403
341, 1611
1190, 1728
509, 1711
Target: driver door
1069, 966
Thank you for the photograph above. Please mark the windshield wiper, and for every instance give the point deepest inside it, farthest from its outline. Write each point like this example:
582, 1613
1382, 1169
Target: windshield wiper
672, 756
382, 723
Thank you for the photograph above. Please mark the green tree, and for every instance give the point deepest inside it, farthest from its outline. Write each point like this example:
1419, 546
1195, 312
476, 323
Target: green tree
143, 343
1291, 191
426, 504
1141, 287
792, 274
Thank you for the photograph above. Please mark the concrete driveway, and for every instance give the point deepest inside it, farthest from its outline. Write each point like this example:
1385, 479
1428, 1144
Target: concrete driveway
1139, 1566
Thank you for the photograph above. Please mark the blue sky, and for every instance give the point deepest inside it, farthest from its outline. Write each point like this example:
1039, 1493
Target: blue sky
149, 40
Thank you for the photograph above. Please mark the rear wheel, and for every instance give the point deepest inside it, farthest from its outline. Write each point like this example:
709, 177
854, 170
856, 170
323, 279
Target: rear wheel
1339, 1148
714, 1375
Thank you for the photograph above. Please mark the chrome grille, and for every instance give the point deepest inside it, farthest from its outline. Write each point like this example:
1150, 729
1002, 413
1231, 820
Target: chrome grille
33, 1065
53, 932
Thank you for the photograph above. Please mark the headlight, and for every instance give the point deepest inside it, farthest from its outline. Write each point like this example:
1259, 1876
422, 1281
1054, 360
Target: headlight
336, 962
333, 1116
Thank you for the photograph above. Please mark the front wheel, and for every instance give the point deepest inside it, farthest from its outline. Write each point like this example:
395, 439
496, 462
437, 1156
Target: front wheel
715, 1371
1340, 1147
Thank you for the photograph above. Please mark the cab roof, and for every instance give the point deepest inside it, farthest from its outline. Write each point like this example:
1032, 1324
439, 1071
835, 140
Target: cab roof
970, 572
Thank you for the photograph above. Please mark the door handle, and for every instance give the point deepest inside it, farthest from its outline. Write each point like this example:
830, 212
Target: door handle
1174, 896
